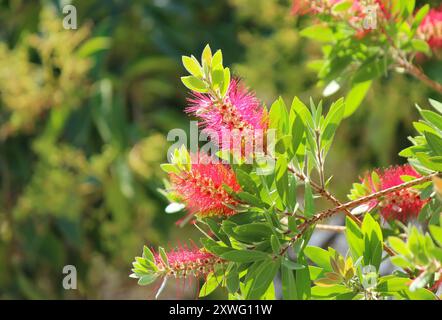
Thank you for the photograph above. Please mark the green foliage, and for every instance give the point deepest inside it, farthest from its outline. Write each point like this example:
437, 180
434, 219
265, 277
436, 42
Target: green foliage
355, 55
426, 152
209, 75
422, 254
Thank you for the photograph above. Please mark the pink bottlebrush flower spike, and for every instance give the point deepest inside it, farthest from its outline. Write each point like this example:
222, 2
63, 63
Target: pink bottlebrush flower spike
201, 187
184, 262
302, 7
403, 205
431, 28
239, 110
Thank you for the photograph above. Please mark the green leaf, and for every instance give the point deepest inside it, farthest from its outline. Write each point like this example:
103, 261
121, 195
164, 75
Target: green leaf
147, 254
192, 66
194, 84
278, 117
318, 32
262, 279
212, 282
226, 82
244, 256
281, 178
355, 97
216, 229
293, 226
421, 294
319, 256
169, 168
94, 45
435, 143
372, 68
399, 246
217, 78
331, 123
436, 105
411, 4
420, 15
251, 199
288, 283
163, 256
303, 112
292, 265
303, 282
342, 6
232, 280
246, 182
421, 46
329, 292
421, 281
431, 163
297, 133
436, 232
391, 284
309, 205
147, 279
206, 56
401, 262
354, 238
213, 247
291, 193
217, 60
433, 118
373, 241
253, 232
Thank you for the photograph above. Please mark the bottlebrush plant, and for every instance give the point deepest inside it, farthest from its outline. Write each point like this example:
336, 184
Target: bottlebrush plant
254, 195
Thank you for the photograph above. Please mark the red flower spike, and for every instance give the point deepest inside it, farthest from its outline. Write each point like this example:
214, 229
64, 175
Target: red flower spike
239, 110
403, 205
184, 262
201, 188
431, 28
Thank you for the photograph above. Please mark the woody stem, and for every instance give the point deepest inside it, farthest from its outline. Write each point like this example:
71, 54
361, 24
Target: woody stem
349, 205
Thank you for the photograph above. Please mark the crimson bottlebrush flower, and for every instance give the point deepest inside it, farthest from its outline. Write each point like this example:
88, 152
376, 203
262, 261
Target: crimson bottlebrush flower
303, 7
239, 110
184, 262
201, 187
357, 10
431, 28
402, 205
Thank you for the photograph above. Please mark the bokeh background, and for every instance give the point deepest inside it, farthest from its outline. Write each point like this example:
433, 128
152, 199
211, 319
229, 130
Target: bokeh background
84, 116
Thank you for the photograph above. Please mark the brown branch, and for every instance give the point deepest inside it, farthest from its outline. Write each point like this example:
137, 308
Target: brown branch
349, 205
355, 203
347, 212
325, 194
328, 227
419, 74
402, 61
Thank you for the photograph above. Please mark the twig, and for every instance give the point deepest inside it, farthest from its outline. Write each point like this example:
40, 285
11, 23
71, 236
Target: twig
324, 193
352, 204
373, 196
402, 61
328, 227
419, 74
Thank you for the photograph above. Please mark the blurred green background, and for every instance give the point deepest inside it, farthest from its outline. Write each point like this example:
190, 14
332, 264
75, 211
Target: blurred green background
84, 116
